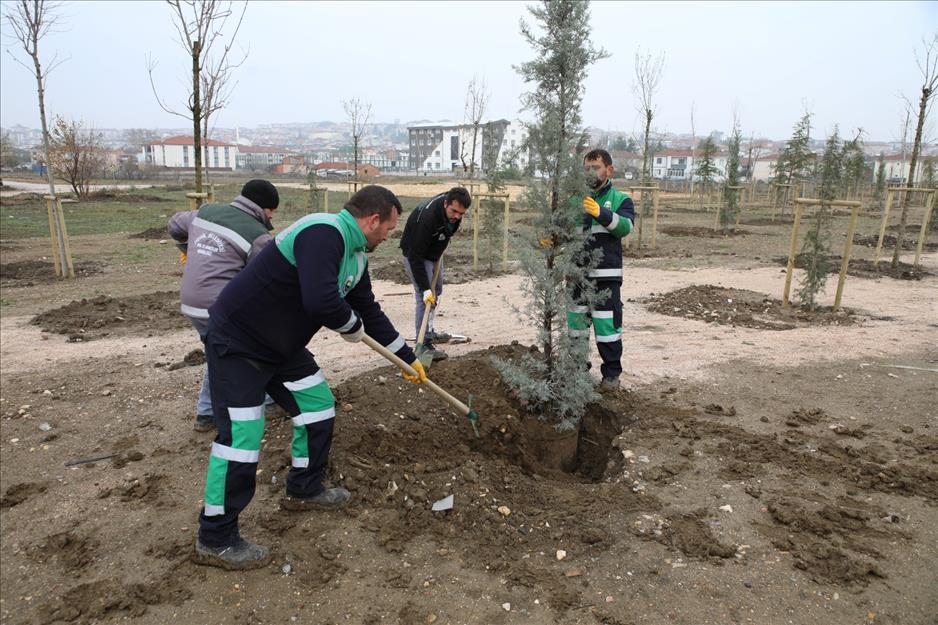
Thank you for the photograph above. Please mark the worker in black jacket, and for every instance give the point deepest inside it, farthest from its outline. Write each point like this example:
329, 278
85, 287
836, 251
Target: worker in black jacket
427, 233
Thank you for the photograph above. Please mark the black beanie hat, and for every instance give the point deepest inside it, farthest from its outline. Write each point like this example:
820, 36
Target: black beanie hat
262, 193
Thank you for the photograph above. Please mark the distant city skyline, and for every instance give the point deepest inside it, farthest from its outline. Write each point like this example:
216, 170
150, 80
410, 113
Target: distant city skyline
846, 63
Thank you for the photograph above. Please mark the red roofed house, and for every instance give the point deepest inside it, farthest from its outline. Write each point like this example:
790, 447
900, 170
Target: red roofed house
179, 153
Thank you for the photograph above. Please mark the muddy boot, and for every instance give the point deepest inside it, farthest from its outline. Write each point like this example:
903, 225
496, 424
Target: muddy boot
329, 499
609, 384
242, 555
433, 352
438, 337
204, 423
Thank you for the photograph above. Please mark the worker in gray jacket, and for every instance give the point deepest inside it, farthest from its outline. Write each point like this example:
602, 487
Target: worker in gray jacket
218, 241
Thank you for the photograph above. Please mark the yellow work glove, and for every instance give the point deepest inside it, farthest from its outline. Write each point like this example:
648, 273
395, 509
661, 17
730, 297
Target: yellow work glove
182, 258
421, 373
546, 242
429, 298
591, 207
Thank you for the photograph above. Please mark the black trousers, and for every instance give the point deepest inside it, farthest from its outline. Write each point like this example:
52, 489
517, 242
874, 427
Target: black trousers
238, 383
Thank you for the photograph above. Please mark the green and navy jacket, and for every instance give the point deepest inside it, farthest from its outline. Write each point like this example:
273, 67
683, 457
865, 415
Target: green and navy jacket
314, 276
616, 216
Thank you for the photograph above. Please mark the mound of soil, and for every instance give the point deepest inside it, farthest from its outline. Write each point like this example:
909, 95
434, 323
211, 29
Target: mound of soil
21, 199
158, 232
699, 231
400, 452
639, 254
783, 220
88, 319
30, 272
458, 270
889, 242
117, 196
737, 307
863, 268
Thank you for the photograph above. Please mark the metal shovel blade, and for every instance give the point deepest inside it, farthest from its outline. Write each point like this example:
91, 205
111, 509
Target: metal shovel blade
425, 357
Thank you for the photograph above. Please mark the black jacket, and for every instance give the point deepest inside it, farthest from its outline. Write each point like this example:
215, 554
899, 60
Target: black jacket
426, 235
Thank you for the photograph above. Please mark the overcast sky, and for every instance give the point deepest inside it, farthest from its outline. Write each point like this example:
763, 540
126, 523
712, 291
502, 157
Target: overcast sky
847, 62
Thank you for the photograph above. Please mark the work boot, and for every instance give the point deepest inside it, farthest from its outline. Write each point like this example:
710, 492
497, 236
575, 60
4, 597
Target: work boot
329, 499
242, 555
204, 423
435, 353
609, 384
439, 337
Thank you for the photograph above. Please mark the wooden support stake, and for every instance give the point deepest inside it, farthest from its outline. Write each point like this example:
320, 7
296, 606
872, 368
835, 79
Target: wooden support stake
882, 227
194, 200
791, 256
929, 205
325, 199
475, 235
654, 219
505, 243
64, 232
53, 228
848, 247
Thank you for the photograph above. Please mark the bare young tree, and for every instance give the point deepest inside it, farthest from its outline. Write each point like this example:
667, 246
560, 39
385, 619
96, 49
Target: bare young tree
477, 99
693, 147
217, 86
648, 72
928, 66
649, 69
75, 154
755, 150
359, 114
30, 21
200, 25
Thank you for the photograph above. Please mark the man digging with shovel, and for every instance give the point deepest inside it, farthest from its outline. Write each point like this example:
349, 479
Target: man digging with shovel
314, 275
426, 235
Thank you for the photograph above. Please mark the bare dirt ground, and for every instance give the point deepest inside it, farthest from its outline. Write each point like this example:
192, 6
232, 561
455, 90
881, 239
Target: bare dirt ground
755, 467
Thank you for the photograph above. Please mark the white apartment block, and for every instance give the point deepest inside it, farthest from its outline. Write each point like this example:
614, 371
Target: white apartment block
179, 153
447, 147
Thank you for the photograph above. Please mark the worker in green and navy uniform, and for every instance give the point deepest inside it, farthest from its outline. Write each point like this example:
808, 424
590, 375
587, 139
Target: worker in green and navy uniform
314, 276
608, 217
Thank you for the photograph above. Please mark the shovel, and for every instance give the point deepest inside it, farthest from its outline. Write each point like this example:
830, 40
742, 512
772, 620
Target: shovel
427, 359
457, 405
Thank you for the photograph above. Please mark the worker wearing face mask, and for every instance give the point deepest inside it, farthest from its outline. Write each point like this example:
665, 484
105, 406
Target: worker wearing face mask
608, 218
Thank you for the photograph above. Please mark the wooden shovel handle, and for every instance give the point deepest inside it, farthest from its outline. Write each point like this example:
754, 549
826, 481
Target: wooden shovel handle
426, 310
457, 405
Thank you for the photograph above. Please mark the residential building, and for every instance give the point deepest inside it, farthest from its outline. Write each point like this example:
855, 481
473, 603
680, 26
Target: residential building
261, 157
179, 153
294, 164
897, 168
447, 147
680, 164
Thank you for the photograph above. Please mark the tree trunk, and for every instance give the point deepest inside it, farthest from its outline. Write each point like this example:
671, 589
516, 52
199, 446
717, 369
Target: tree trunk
645, 174
472, 157
197, 115
916, 146
355, 155
207, 159
55, 234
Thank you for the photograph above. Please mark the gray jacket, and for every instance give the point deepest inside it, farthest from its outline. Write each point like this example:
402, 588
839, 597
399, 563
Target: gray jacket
219, 240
